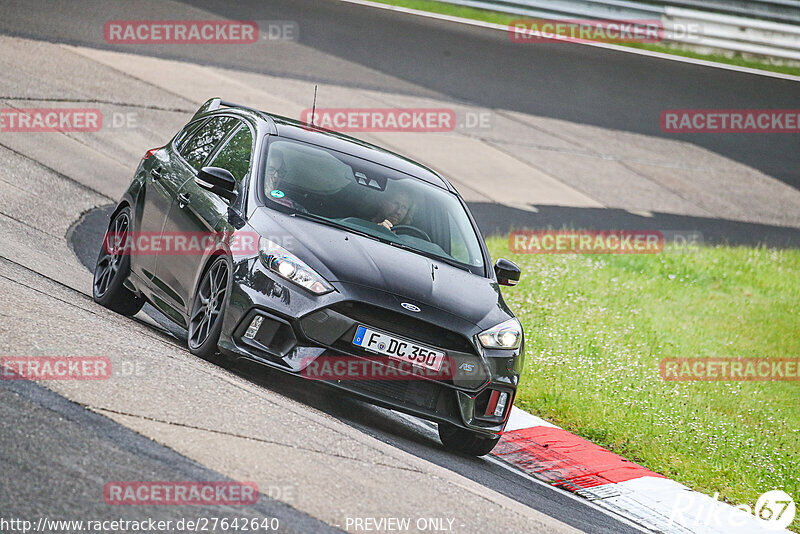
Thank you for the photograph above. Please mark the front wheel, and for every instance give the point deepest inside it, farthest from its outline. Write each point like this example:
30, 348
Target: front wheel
113, 267
205, 322
464, 441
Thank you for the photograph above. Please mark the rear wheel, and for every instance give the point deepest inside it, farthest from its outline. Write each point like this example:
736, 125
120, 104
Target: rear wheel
113, 267
205, 321
464, 441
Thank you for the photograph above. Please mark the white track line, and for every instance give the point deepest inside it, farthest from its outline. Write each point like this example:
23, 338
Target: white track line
520, 419
659, 55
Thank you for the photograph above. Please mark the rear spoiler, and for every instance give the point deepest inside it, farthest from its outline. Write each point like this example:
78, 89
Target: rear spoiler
216, 103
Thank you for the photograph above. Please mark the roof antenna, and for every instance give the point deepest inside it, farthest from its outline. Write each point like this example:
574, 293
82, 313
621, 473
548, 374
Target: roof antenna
314, 105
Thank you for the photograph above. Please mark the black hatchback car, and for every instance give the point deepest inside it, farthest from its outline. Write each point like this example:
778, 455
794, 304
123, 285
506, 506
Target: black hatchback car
320, 255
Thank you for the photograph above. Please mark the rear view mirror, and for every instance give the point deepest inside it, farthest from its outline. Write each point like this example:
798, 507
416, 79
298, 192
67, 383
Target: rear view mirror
218, 181
507, 272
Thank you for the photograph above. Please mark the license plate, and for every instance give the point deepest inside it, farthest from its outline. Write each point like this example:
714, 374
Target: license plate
397, 348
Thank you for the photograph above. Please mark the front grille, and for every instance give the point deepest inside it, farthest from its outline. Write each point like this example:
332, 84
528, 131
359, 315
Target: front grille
404, 326
423, 394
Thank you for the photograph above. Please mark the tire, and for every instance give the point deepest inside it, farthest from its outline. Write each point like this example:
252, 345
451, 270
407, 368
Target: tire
464, 441
113, 267
208, 310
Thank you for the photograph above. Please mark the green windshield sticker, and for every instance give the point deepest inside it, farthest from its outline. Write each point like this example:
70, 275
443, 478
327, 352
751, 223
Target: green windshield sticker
277, 193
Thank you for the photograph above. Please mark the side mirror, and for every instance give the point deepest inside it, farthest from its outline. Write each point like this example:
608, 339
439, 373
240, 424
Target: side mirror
507, 272
218, 181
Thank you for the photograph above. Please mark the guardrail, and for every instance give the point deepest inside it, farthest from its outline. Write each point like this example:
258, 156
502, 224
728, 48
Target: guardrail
787, 11
768, 28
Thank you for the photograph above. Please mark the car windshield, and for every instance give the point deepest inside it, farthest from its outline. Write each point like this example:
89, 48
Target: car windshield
371, 199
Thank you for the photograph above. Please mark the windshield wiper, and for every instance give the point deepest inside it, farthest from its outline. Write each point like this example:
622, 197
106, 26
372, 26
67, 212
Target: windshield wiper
430, 255
328, 222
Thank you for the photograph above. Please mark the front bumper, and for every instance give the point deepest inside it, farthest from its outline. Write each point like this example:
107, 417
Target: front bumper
298, 328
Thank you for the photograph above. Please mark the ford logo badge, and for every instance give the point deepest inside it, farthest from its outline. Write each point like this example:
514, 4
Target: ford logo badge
410, 307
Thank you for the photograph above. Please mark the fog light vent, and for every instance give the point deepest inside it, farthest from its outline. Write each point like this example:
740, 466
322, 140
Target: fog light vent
497, 404
255, 324
501, 404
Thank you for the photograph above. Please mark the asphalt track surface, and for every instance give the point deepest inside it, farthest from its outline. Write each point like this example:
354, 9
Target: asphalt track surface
582, 84
56, 451
382, 50
576, 83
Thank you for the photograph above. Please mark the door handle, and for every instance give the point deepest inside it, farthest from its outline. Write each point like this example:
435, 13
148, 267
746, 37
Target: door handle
156, 173
183, 199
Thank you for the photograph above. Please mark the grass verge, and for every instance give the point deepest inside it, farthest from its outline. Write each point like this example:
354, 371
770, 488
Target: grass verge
598, 325
504, 18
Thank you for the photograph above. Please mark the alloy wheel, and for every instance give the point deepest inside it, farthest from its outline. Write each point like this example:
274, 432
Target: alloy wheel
111, 254
208, 303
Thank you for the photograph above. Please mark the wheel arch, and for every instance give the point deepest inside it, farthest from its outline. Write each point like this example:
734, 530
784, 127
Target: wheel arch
124, 203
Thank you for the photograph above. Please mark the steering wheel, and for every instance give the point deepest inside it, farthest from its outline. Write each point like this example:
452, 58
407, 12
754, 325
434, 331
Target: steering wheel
410, 230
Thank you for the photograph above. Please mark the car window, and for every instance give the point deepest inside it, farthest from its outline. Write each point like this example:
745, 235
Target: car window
197, 149
459, 248
366, 197
235, 155
186, 133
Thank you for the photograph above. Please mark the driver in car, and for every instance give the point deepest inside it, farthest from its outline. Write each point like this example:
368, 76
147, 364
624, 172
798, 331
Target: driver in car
393, 209
276, 171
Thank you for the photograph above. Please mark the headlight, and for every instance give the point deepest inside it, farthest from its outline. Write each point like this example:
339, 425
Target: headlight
507, 335
287, 265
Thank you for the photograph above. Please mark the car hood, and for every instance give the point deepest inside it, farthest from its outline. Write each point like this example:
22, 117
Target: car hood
341, 256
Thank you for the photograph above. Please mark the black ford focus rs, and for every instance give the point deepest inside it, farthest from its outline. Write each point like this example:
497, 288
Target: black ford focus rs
324, 256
